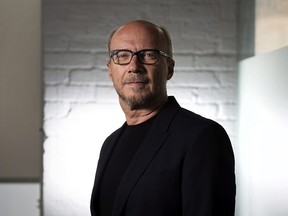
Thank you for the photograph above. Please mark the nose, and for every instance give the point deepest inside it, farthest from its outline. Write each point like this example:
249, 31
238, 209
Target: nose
135, 66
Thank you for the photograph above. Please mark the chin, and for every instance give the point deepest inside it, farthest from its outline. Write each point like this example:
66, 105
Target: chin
139, 101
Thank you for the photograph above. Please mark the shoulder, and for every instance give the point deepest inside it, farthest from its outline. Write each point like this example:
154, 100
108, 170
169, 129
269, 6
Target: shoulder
188, 118
200, 134
180, 119
189, 124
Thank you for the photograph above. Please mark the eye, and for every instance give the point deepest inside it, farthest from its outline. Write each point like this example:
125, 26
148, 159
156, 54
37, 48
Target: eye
149, 54
123, 54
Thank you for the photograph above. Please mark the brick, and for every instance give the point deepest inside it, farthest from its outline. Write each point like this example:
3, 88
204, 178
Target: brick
230, 126
50, 93
194, 79
227, 112
227, 10
54, 127
63, 27
225, 29
195, 11
101, 59
195, 45
69, 60
185, 96
76, 93
95, 115
56, 110
227, 45
94, 76
216, 62
106, 95
88, 43
216, 95
53, 12
70, 93
206, 110
56, 43
183, 61
227, 79
56, 76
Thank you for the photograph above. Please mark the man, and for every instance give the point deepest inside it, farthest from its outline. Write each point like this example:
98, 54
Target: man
164, 160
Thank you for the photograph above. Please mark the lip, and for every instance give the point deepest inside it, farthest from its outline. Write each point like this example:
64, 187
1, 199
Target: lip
136, 81
136, 84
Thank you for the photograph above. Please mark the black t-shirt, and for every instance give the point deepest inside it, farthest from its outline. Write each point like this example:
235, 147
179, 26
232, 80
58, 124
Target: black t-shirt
123, 153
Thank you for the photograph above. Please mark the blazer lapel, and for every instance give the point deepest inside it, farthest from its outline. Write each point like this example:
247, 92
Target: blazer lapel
147, 151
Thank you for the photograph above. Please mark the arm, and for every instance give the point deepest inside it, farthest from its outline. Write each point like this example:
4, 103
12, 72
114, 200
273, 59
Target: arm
208, 179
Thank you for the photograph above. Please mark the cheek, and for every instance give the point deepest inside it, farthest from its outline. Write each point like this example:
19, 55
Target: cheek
114, 74
160, 76
111, 76
164, 71
115, 80
159, 80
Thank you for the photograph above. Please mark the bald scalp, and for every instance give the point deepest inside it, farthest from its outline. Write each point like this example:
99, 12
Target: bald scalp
161, 32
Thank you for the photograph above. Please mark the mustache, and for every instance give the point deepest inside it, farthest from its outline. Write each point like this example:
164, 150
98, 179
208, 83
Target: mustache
136, 78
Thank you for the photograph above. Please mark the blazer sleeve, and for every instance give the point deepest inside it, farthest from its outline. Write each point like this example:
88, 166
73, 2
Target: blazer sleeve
208, 178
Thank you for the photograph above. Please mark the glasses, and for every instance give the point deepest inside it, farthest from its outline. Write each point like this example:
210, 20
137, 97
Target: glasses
146, 56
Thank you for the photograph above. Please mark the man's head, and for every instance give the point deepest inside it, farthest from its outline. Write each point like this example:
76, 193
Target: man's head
163, 31
140, 63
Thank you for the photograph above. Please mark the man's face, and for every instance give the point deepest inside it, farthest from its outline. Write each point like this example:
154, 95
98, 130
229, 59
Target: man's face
139, 85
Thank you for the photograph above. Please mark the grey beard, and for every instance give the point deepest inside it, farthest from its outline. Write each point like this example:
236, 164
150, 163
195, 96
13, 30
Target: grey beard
138, 102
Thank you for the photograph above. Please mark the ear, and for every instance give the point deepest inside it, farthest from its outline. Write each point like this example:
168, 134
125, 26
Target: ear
109, 70
171, 65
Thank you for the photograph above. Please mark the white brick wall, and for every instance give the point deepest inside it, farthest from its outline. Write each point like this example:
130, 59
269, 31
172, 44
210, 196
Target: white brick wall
81, 107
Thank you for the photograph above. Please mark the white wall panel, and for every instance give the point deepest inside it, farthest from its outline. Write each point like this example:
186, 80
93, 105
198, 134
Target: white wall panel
263, 135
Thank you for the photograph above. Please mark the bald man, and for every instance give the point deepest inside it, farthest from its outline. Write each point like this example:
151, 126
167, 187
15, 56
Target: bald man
164, 160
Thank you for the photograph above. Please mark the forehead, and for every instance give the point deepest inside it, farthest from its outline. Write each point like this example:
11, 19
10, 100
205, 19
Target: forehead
137, 35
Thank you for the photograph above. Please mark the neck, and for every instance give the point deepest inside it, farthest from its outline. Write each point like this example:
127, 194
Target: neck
137, 116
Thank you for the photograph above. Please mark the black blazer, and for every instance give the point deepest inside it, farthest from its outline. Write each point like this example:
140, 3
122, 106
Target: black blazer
185, 166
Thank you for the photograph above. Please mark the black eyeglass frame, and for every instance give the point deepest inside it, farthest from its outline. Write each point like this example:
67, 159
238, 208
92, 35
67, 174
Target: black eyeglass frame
159, 52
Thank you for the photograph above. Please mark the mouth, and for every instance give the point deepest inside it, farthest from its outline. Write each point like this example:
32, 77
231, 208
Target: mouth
141, 82
136, 81
137, 84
